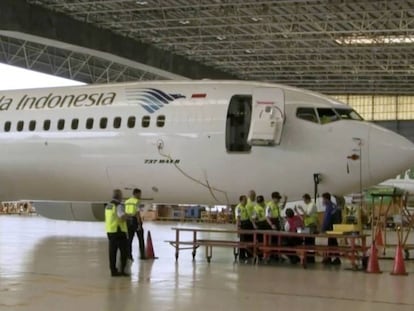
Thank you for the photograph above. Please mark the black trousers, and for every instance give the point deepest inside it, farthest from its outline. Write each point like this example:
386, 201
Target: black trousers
117, 240
262, 225
333, 242
245, 225
134, 228
310, 256
276, 222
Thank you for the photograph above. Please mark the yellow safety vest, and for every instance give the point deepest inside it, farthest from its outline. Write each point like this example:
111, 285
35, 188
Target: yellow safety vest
112, 221
250, 208
311, 219
243, 212
260, 212
274, 209
131, 206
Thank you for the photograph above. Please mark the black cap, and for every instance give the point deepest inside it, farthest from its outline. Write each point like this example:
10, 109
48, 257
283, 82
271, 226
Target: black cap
260, 199
276, 195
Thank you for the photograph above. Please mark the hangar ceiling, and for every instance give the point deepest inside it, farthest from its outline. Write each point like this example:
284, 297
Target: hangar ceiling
355, 46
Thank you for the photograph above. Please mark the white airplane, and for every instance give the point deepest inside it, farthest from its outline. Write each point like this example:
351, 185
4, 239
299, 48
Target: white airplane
403, 181
199, 142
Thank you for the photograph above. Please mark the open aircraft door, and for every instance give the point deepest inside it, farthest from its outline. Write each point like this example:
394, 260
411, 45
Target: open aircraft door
268, 116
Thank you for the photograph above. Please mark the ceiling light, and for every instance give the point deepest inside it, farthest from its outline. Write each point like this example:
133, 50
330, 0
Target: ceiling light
221, 38
367, 40
141, 2
184, 22
248, 51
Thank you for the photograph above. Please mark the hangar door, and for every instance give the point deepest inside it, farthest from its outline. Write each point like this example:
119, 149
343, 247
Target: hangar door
267, 117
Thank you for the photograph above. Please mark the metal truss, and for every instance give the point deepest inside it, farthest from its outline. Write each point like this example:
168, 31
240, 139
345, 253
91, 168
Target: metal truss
68, 63
296, 42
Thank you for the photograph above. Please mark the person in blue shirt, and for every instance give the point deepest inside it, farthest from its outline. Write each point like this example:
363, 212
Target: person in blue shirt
332, 216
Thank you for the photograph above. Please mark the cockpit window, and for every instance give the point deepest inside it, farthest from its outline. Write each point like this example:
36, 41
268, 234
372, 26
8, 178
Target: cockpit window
348, 114
327, 115
308, 114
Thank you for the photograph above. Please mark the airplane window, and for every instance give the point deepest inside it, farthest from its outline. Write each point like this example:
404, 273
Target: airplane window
89, 123
117, 122
327, 115
103, 123
32, 125
131, 122
75, 124
308, 114
348, 114
61, 124
146, 121
20, 125
7, 126
160, 121
46, 125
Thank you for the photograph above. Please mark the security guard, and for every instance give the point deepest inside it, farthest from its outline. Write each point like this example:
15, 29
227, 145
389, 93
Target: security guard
251, 202
259, 216
240, 212
242, 222
134, 222
273, 211
116, 229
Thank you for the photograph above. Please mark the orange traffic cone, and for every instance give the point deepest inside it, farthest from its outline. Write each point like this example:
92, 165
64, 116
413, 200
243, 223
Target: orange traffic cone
399, 266
373, 265
150, 249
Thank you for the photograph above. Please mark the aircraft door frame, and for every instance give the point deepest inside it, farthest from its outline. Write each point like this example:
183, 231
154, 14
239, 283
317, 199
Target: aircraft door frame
238, 123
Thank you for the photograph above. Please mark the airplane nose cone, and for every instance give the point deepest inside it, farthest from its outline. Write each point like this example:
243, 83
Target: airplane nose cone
389, 154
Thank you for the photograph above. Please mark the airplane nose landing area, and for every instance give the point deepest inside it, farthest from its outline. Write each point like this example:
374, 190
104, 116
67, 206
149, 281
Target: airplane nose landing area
389, 154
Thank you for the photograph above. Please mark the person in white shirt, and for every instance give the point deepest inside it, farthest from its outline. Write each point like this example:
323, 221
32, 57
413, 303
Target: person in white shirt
309, 212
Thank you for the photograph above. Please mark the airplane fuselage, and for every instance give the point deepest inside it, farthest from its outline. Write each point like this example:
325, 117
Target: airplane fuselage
177, 142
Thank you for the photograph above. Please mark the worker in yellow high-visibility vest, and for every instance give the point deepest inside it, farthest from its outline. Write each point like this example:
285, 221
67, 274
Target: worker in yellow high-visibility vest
251, 202
242, 222
116, 230
259, 216
134, 222
273, 211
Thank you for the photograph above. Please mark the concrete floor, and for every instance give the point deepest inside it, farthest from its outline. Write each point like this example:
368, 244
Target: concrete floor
58, 265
